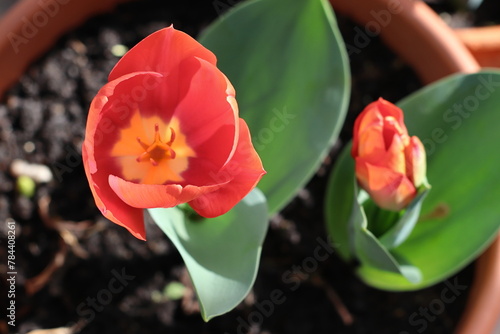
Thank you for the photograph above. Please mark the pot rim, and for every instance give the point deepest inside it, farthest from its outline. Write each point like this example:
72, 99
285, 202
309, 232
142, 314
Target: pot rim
30, 27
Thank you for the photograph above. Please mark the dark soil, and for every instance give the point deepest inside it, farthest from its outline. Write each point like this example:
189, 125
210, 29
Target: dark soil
67, 253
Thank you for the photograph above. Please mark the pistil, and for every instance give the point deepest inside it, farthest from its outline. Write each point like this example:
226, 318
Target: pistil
158, 150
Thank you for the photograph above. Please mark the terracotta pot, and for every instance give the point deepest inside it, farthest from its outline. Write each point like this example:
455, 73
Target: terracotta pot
415, 32
31, 27
483, 308
483, 43
418, 35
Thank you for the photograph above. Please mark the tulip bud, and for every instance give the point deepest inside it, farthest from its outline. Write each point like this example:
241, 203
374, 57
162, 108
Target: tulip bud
390, 165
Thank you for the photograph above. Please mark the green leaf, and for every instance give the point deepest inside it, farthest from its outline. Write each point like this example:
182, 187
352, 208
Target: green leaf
221, 254
289, 67
373, 254
339, 201
400, 231
347, 225
367, 248
457, 119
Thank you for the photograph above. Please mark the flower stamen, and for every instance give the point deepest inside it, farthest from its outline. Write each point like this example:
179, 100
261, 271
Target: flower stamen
158, 150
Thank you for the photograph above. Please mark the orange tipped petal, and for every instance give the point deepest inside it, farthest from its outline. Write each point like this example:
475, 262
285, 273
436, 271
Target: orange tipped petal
240, 176
161, 52
390, 190
416, 161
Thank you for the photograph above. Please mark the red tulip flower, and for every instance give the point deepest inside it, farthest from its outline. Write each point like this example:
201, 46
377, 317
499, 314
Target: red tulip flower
165, 130
390, 165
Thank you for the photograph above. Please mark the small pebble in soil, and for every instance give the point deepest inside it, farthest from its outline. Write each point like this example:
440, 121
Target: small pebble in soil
29, 147
37, 172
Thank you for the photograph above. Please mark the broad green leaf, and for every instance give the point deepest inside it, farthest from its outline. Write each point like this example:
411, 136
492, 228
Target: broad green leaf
457, 119
221, 254
288, 64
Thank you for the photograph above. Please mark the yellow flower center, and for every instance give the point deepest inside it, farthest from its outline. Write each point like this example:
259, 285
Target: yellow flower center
145, 156
158, 150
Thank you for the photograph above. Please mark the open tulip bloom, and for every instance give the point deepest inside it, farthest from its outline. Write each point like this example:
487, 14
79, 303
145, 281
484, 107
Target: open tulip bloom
164, 135
165, 131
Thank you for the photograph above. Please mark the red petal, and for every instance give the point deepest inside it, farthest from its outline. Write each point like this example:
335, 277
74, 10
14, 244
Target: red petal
388, 189
110, 205
113, 105
102, 122
241, 175
161, 52
208, 102
208, 116
156, 195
